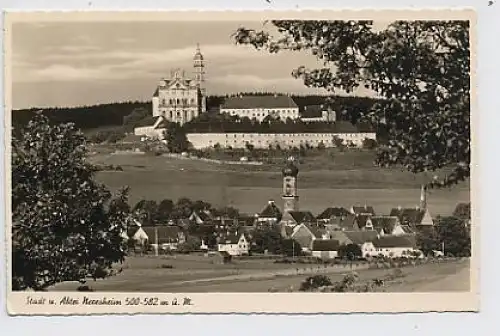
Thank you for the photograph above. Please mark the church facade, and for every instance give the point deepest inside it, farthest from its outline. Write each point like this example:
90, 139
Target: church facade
181, 98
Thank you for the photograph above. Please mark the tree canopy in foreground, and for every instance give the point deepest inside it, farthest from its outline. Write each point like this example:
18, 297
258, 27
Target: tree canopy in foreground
65, 226
419, 69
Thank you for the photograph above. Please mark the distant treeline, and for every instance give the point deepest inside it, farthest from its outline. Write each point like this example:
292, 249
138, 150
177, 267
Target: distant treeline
89, 117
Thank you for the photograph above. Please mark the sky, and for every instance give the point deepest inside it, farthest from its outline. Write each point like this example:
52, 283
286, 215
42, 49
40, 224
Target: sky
86, 63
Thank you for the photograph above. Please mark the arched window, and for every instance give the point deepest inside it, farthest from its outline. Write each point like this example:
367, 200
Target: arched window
170, 101
171, 115
192, 100
177, 101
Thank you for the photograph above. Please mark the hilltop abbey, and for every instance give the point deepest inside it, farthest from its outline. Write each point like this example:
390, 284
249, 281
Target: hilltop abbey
181, 98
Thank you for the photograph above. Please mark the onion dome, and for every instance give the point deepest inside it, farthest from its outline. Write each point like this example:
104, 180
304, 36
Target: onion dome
198, 56
290, 169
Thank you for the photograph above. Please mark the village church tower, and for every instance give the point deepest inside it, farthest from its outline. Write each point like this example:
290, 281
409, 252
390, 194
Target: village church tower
290, 195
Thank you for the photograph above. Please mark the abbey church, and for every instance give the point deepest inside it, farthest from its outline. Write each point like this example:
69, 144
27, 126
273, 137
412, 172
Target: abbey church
181, 97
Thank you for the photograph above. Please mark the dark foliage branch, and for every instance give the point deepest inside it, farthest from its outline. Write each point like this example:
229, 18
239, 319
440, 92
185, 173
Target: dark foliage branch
420, 69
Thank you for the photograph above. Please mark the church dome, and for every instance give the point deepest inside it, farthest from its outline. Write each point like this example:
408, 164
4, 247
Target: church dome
198, 56
290, 169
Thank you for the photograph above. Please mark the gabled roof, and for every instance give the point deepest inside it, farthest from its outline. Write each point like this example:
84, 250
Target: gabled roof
157, 121
232, 238
270, 211
408, 215
250, 102
302, 216
362, 219
333, 212
389, 241
462, 211
347, 222
205, 216
361, 237
325, 245
316, 231
407, 229
386, 223
366, 209
166, 234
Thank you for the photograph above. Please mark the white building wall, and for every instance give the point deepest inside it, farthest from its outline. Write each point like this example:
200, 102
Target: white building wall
325, 254
263, 140
261, 113
150, 132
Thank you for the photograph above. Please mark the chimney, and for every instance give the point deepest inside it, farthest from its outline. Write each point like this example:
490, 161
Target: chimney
399, 207
423, 197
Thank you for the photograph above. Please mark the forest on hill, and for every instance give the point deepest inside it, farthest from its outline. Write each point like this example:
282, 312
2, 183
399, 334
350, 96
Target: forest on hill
112, 114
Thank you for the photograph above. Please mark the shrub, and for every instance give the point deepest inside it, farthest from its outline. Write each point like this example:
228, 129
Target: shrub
315, 282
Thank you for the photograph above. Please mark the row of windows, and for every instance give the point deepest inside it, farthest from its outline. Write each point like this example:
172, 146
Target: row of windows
178, 114
177, 101
317, 135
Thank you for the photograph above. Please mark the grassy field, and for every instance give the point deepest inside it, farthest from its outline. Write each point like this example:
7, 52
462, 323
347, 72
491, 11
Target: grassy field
249, 188
195, 273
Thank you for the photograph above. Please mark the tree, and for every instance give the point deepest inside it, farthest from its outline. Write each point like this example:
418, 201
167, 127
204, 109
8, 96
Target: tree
147, 211
420, 69
65, 225
350, 251
291, 248
268, 239
176, 138
428, 241
369, 143
455, 235
164, 210
130, 121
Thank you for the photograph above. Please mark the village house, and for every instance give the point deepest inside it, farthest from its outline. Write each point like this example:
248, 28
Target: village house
294, 218
234, 244
325, 248
201, 217
364, 222
331, 213
270, 215
389, 225
305, 234
362, 210
136, 233
167, 237
415, 218
395, 246
342, 223
151, 128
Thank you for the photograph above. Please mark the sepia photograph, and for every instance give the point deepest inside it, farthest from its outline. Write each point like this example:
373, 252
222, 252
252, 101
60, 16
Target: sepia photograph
239, 155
